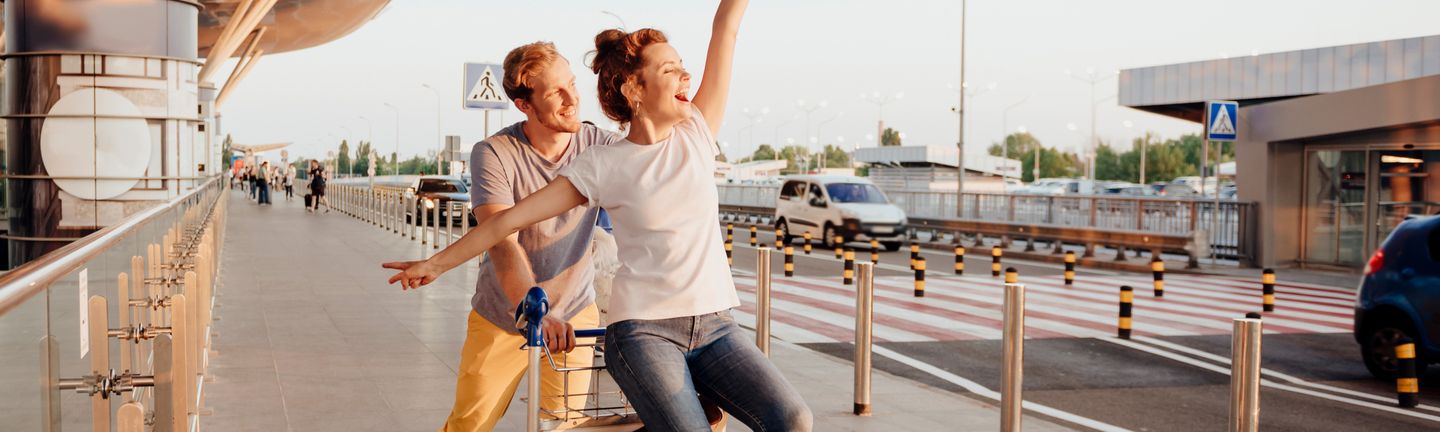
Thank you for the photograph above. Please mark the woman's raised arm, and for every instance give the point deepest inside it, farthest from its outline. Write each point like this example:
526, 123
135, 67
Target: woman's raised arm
715, 86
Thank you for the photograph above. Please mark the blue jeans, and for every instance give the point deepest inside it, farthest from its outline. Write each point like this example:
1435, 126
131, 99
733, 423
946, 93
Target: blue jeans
662, 364
264, 192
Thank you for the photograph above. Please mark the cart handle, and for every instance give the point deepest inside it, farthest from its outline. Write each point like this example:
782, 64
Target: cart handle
590, 333
529, 313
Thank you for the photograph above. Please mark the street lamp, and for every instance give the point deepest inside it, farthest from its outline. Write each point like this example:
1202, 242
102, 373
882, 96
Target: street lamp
756, 117
880, 102
824, 155
807, 109
1092, 79
617, 18
397, 135
1004, 130
440, 143
777, 131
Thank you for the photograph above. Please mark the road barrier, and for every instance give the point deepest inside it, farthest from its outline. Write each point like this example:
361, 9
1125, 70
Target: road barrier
1069, 268
779, 238
874, 251
914, 254
1012, 275
753, 242
864, 318
995, 254
1127, 300
1157, 268
959, 259
1245, 375
789, 261
1267, 287
839, 247
849, 275
1407, 381
808, 241
1013, 373
762, 300
920, 277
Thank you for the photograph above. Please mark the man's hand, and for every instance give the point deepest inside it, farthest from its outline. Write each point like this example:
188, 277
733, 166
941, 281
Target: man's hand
559, 335
413, 274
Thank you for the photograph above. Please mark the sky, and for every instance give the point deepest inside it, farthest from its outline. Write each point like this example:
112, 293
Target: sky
797, 52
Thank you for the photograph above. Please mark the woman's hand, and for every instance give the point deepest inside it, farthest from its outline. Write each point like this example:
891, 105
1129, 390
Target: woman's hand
413, 274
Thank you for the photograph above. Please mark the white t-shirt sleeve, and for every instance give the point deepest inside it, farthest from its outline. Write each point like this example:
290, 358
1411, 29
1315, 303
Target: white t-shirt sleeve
584, 173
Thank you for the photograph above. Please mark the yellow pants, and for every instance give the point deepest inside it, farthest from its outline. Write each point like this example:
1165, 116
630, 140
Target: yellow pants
491, 365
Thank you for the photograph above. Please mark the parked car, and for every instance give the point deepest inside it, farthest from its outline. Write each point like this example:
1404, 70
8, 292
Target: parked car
1194, 183
827, 206
1172, 190
434, 191
1400, 297
1129, 190
1061, 186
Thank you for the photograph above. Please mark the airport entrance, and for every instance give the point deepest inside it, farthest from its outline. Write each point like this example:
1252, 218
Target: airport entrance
1354, 198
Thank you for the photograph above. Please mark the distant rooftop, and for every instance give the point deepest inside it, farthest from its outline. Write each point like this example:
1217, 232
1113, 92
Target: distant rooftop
928, 156
1180, 90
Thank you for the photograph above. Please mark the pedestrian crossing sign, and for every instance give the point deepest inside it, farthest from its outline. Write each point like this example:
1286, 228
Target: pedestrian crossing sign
482, 86
1221, 119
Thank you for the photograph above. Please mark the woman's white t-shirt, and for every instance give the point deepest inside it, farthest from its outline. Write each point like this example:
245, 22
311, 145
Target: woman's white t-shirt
664, 206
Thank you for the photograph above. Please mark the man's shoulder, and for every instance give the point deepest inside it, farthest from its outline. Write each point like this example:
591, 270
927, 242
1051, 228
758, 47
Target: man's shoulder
506, 139
592, 135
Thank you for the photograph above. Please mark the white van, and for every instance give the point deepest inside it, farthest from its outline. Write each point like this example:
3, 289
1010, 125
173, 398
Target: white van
827, 206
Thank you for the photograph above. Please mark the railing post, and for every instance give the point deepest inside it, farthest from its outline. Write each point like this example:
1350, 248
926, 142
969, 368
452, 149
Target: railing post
1013, 375
1245, 375
762, 299
864, 314
435, 226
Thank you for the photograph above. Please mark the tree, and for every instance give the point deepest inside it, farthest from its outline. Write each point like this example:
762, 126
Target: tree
362, 159
796, 157
1022, 146
226, 153
342, 161
890, 138
835, 157
764, 152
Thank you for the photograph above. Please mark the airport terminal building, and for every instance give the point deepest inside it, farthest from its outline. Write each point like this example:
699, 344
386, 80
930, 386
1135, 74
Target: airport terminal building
1337, 145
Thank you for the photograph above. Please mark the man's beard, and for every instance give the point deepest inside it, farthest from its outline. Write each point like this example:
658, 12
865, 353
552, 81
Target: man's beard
556, 124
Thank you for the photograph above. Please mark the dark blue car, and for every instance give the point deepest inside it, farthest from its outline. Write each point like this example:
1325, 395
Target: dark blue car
1400, 296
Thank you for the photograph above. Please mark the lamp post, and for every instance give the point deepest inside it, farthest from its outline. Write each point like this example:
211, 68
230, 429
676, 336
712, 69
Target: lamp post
1005, 130
756, 117
807, 109
824, 154
777, 132
1092, 79
880, 101
397, 135
960, 140
439, 141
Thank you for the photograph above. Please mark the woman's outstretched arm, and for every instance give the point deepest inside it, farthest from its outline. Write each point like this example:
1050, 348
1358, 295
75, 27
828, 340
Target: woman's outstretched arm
715, 86
552, 200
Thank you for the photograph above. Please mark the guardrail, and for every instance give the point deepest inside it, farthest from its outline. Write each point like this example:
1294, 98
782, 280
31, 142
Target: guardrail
154, 273
1163, 224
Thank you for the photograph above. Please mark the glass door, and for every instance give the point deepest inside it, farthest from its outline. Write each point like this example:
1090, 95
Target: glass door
1406, 188
1335, 195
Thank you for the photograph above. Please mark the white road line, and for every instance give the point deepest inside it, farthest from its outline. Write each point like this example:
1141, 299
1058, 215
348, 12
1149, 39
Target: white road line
980, 390
881, 331
781, 330
890, 309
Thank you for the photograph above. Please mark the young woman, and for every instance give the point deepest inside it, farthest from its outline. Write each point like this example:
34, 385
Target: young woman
671, 335
317, 186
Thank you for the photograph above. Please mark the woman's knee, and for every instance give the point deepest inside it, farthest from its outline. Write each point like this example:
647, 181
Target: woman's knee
794, 416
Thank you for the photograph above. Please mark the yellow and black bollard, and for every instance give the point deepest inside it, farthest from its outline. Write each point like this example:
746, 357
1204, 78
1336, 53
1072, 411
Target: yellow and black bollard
1267, 285
1158, 268
849, 275
959, 259
920, 277
914, 254
730, 253
1012, 275
874, 251
995, 253
729, 233
1407, 384
779, 238
789, 261
839, 247
807, 243
1069, 268
1127, 299
752, 237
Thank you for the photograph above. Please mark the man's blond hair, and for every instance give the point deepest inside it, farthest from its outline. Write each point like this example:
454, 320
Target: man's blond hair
524, 63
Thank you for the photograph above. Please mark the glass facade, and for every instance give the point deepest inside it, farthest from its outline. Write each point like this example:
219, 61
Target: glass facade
1355, 198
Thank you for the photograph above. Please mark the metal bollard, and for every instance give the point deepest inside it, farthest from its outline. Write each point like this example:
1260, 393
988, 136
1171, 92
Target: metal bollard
914, 254
864, 316
1407, 382
1014, 358
422, 220
849, 274
839, 247
959, 259
1267, 285
435, 226
1157, 267
807, 243
789, 261
1069, 268
1245, 375
874, 251
762, 300
995, 253
920, 277
449, 223
1127, 300
753, 242
779, 239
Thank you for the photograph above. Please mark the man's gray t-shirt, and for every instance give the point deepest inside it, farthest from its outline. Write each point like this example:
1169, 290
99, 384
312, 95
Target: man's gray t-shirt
504, 169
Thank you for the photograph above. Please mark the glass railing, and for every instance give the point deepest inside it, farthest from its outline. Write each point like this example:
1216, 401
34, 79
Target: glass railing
110, 331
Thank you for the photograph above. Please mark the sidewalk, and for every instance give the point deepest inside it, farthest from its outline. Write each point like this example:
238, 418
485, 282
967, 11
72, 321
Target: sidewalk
309, 337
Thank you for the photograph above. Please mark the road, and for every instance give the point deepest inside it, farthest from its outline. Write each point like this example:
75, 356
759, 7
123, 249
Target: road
1173, 376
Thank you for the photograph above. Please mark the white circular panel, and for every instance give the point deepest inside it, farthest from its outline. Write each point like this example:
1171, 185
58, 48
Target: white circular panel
99, 147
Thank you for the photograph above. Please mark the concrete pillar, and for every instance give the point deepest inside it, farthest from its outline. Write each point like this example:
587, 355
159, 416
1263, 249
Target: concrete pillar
101, 113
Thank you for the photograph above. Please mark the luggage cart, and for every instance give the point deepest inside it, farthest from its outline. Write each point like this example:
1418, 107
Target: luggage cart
605, 408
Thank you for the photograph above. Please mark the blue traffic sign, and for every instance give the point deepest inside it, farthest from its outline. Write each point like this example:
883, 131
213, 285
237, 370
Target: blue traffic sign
482, 87
1221, 118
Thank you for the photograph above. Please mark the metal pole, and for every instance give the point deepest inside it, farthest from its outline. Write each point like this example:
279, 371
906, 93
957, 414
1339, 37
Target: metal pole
960, 144
762, 299
532, 388
435, 226
1245, 375
1014, 343
864, 314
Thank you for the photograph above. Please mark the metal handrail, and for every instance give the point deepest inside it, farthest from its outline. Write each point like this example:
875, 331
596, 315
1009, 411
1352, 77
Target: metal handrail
24, 282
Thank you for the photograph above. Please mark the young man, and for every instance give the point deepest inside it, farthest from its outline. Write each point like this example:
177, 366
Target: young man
554, 254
